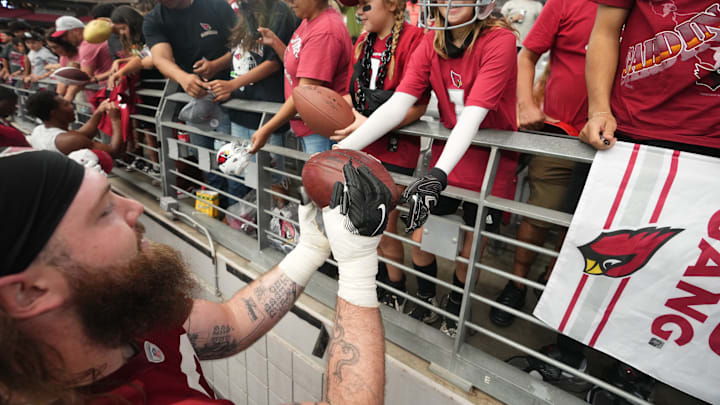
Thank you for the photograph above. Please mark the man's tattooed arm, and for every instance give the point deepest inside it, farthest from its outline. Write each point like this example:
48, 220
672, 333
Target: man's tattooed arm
356, 365
221, 330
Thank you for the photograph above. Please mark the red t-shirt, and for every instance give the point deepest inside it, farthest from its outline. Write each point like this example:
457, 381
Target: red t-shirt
485, 76
408, 148
319, 49
10, 136
563, 28
165, 371
667, 85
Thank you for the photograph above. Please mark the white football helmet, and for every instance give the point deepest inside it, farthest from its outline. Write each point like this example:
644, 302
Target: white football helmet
483, 8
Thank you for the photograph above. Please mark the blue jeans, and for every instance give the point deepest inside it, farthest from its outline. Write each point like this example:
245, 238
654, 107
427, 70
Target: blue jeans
314, 143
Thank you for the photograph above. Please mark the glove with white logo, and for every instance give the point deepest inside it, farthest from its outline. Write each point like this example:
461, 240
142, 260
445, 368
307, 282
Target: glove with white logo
354, 223
364, 199
422, 195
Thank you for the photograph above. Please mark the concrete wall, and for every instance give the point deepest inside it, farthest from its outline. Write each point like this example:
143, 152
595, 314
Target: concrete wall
280, 368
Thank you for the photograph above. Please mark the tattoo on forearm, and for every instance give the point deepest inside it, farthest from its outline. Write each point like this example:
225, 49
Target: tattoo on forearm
251, 307
350, 352
279, 297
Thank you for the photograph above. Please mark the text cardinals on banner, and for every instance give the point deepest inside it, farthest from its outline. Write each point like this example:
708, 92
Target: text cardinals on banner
638, 276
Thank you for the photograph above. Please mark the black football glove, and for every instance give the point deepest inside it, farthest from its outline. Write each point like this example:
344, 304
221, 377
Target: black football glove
364, 199
422, 195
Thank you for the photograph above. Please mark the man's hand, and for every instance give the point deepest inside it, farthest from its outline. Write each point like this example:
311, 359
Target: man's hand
205, 69
194, 86
113, 111
341, 134
530, 116
364, 199
221, 88
599, 131
422, 195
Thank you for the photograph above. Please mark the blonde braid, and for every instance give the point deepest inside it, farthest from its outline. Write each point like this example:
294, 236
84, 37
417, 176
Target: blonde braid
399, 21
360, 46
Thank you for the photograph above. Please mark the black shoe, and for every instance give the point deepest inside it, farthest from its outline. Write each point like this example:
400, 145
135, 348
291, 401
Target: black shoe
391, 299
511, 296
627, 379
449, 326
552, 374
423, 314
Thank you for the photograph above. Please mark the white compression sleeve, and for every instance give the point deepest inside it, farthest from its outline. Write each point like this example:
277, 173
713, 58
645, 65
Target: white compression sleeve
385, 118
460, 137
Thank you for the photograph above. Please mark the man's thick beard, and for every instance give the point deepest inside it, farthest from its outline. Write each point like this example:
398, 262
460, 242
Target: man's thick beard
117, 305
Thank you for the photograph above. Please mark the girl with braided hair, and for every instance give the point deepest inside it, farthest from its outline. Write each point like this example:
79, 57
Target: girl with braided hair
379, 61
469, 60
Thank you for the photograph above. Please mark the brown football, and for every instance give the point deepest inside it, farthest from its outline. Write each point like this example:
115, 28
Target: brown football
323, 110
325, 168
71, 76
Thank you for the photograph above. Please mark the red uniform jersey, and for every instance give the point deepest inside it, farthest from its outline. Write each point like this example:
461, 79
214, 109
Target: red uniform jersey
563, 28
408, 147
485, 76
319, 49
165, 371
667, 85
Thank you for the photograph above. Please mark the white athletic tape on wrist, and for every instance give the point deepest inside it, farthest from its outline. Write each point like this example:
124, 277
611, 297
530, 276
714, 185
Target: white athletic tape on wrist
356, 281
301, 263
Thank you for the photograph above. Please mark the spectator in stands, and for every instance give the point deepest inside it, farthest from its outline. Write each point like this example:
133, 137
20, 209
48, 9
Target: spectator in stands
57, 114
256, 72
17, 60
9, 135
93, 313
318, 53
193, 55
9, 56
39, 57
379, 62
470, 62
68, 54
522, 14
669, 96
94, 58
563, 28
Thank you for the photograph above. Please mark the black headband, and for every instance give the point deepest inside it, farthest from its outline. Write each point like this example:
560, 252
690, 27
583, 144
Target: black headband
36, 189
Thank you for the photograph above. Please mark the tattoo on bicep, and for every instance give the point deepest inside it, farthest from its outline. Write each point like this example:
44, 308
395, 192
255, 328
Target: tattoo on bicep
350, 354
251, 307
279, 296
220, 343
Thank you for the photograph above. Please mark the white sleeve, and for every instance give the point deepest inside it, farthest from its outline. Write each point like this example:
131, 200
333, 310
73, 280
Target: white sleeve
385, 118
461, 137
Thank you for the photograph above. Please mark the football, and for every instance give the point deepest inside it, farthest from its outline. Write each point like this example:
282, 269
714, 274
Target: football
71, 76
97, 31
325, 168
323, 110
560, 128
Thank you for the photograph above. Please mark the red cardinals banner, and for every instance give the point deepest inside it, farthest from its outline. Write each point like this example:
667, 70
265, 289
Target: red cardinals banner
639, 274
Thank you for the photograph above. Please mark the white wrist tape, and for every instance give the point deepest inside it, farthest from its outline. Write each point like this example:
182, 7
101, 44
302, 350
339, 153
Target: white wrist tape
356, 281
301, 263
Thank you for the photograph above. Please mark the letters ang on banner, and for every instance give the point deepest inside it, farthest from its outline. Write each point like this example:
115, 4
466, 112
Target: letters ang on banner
638, 276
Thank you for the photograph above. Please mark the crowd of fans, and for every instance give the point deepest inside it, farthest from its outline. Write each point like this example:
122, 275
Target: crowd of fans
479, 62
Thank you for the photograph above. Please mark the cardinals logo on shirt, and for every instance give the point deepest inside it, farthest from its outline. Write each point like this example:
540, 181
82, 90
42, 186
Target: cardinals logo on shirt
456, 79
153, 353
207, 30
622, 253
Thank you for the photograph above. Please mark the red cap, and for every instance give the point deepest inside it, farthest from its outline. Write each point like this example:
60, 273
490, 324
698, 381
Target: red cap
105, 160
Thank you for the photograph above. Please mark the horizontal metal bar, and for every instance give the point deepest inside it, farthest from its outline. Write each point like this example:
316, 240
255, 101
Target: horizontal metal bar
191, 129
401, 238
558, 364
143, 117
124, 164
516, 312
154, 80
150, 92
148, 106
276, 215
217, 207
422, 275
530, 211
215, 172
510, 276
146, 132
283, 196
209, 187
282, 173
417, 301
519, 243
142, 145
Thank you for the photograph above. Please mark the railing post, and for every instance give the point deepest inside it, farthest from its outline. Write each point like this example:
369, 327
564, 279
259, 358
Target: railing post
476, 251
165, 112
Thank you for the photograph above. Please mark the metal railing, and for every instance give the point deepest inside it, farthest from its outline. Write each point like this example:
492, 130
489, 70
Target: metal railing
455, 359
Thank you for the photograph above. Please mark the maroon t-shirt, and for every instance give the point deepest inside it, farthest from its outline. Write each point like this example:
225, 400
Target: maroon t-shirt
11, 136
563, 28
408, 147
165, 371
485, 76
319, 49
667, 85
